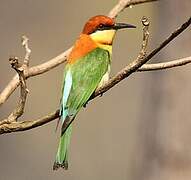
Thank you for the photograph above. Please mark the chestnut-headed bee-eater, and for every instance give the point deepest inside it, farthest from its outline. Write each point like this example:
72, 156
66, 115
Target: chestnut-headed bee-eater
87, 68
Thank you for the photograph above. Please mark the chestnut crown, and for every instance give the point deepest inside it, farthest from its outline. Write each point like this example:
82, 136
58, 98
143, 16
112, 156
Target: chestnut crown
101, 22
96, 23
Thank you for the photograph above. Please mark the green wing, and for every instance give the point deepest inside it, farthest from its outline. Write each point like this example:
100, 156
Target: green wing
86, 73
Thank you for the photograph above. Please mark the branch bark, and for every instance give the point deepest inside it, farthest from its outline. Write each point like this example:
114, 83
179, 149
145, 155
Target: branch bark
18, 111
165, 65
29, 124
19, 68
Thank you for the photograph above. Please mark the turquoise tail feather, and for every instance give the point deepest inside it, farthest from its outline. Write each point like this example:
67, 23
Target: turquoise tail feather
64, 142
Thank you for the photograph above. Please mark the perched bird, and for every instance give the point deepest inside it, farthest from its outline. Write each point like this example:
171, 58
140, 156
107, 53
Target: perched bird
87, 68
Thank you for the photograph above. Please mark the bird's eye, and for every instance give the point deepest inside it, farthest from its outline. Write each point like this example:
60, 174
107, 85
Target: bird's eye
101, 25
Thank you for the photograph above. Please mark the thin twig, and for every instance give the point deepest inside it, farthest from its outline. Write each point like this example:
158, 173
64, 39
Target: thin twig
135, 2
165, 65
122, 4
18, 111
50, 64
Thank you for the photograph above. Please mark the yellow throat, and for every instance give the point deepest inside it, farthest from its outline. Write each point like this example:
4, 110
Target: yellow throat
104, 39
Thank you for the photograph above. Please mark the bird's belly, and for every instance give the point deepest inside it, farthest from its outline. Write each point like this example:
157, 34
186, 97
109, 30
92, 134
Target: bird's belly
105, 78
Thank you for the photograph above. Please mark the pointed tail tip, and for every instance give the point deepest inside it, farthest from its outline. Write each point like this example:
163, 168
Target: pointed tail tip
57, 165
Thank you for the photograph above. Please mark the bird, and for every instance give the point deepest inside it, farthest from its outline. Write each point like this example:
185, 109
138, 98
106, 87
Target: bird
87, 68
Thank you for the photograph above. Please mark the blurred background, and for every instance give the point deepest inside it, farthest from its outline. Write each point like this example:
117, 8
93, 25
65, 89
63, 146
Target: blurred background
140, 129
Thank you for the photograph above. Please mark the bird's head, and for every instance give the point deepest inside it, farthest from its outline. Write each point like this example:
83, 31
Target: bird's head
102, 29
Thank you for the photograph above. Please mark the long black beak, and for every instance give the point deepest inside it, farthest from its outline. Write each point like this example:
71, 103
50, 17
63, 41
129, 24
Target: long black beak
122, 26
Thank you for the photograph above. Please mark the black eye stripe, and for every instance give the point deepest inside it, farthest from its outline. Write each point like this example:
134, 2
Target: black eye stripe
102, 27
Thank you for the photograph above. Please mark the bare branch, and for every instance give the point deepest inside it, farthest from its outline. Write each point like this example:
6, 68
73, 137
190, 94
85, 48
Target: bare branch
50, 64
18, 111
29, 124
20, 69
122, 4
165, 65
